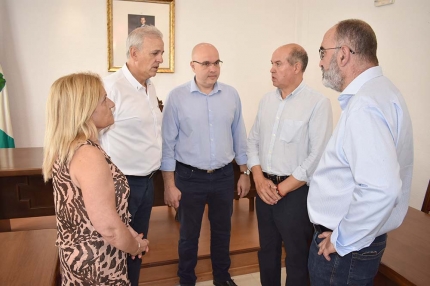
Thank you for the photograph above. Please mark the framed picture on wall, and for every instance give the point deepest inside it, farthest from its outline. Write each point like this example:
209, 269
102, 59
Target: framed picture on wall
126, 15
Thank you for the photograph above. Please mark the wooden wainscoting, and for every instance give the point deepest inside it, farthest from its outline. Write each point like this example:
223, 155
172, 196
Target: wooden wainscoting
160, 265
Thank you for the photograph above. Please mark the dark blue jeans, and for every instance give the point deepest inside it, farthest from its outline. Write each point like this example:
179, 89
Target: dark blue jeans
288, 222
356, 268
140, 206
198, 188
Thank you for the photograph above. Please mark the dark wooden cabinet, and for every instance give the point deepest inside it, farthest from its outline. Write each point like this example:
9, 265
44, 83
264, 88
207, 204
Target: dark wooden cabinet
24, 194
22, 190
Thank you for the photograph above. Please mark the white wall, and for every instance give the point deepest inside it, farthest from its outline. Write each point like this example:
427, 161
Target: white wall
2, 13
41, 40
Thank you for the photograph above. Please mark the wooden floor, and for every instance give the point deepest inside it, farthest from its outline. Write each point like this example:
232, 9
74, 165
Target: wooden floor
160, 265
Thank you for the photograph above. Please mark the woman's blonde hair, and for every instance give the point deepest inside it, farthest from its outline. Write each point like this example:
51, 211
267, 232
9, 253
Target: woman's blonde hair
71, 102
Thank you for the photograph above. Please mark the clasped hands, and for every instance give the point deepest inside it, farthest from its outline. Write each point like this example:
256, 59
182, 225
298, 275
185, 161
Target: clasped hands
143, 246
141, 242
268, 191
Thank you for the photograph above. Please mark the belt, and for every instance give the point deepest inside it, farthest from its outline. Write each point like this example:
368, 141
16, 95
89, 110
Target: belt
197, 169
320, 228
150, 175
275, 178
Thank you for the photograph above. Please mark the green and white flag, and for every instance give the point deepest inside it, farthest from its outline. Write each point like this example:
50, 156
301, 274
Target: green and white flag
6, 135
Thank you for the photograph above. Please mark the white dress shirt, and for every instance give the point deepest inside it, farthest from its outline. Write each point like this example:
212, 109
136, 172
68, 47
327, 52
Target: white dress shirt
134, 141
289, 135
361, 186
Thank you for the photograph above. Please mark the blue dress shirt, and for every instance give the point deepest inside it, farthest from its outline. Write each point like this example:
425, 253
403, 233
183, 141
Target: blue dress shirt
204, 131
361, 186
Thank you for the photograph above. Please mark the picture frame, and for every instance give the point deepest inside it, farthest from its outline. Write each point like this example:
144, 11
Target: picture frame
125, 15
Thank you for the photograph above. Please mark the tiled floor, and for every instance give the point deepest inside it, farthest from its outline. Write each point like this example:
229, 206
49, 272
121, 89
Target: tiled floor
252, 279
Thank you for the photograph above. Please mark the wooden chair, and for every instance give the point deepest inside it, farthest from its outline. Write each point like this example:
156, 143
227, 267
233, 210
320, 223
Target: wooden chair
426, 203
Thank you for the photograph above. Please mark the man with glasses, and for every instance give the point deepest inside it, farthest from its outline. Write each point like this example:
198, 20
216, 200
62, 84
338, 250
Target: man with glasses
203, 131
360, 189
292, 127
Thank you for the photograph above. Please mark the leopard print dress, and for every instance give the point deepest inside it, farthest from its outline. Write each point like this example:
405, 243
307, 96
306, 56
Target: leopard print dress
85, 257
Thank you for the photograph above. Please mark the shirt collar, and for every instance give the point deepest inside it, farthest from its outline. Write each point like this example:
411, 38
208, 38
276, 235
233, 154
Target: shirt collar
195, 88
357, 83
293, 94
132, 80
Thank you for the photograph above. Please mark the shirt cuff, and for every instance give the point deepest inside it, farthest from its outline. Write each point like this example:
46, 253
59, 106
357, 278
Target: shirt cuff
253, 161
241, 160
340, 249
300, 174
168, 165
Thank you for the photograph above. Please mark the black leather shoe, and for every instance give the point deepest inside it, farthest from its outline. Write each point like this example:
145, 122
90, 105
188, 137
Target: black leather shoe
226, 283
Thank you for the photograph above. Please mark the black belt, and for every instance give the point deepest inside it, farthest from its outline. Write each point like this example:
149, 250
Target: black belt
199, 170
275, 178
320, 228
149, 176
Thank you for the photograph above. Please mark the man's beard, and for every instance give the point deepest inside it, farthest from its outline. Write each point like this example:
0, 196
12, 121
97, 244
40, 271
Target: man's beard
332, 77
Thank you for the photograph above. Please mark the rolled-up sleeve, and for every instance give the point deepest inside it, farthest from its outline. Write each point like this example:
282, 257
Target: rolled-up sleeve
239, 135
320, 130
253, 142
170, 131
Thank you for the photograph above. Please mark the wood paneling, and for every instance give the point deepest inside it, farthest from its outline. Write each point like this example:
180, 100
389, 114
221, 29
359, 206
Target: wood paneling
406, 260
29, 258
24, 194
160, 265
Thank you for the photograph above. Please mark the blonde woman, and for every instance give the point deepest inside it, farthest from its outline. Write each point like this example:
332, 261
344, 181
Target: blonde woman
90, 192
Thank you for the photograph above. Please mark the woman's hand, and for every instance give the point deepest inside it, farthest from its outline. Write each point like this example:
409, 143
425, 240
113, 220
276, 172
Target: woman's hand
143, 246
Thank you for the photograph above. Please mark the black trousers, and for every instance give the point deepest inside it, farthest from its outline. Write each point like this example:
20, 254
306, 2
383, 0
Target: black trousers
140, 206
288, 222
198, 189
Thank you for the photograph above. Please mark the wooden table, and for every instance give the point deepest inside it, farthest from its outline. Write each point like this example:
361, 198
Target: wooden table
20, 161
22, 190
24, 194
29, 258
406, 260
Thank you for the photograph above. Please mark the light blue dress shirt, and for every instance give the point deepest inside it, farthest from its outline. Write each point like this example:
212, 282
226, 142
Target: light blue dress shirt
361, 186
289, 135
204, 131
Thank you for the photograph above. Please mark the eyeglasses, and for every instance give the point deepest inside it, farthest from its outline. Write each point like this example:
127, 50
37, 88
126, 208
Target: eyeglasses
322, 51
207, 64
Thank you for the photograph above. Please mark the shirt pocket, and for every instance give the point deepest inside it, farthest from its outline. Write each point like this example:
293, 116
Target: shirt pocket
291, 130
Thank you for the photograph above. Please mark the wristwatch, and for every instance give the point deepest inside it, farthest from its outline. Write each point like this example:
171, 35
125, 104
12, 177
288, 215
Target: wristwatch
247, 172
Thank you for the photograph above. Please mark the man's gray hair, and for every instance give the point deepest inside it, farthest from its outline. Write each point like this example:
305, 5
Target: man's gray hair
298, 54
136, 38
360, 38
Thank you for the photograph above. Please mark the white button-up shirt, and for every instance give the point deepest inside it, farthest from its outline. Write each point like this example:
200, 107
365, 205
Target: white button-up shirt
134, 141
289, 135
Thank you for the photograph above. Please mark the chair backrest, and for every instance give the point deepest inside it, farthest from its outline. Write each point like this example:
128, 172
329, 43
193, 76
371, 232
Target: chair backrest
426, 203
